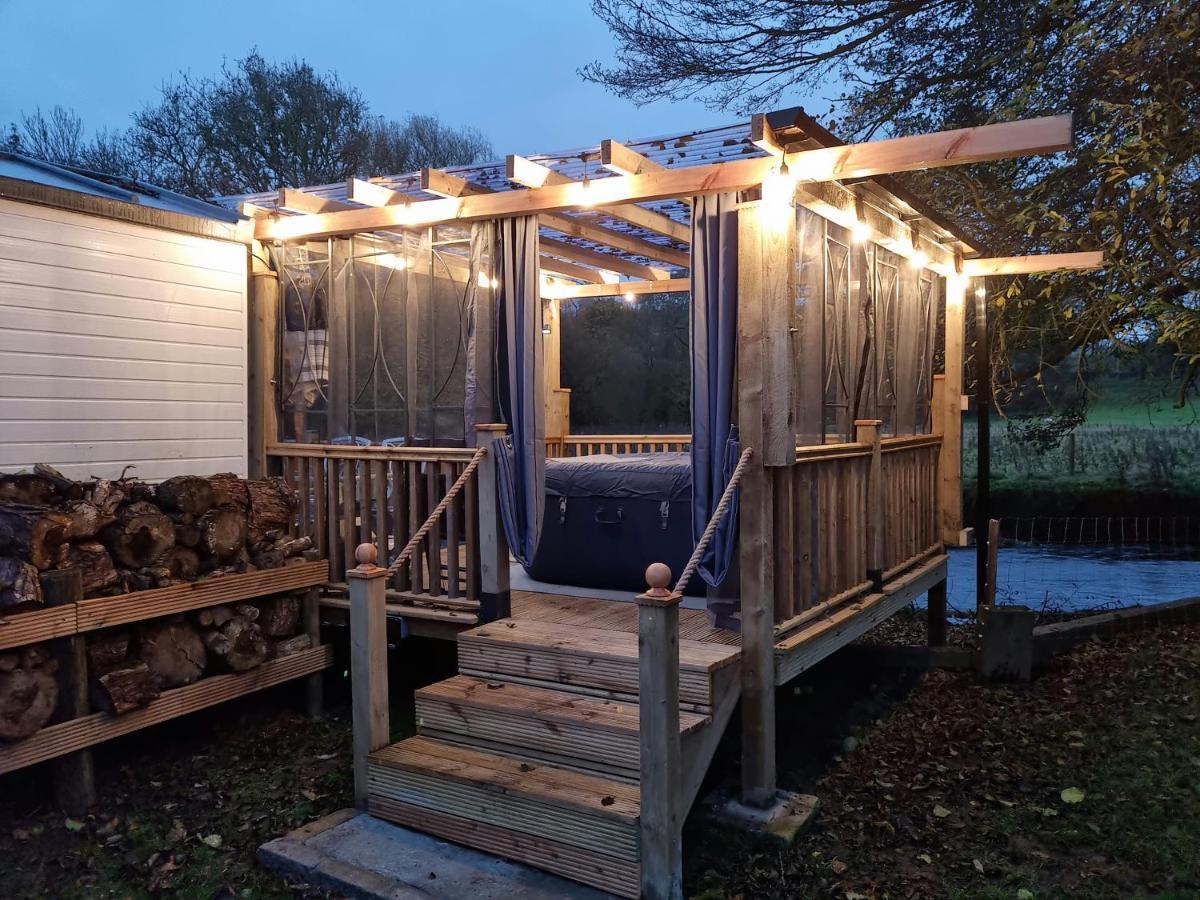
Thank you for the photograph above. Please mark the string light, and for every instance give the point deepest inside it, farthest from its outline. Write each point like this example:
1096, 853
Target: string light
630, 297
860, 233
919, 259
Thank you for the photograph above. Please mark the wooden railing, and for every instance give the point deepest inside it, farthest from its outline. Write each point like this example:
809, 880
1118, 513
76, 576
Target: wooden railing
855, 514
623, 444
382, 496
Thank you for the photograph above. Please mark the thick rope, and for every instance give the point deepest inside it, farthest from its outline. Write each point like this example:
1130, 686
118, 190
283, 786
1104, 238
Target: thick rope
718, 514
456, 488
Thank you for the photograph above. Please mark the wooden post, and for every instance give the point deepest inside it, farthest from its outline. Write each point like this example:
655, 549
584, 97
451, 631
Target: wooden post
658, 717
993, 554
368, 663
262, 406
495, 595
950, 401
756, 540
74, 774
935, 626
310, 620
867, 432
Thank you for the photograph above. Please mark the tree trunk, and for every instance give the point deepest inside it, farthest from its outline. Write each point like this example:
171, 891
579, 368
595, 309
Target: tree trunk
139, 536
126, 689
20, 588
186, 494
173, 651
95, 567
34, 533
28, 692
222, 533
279, 615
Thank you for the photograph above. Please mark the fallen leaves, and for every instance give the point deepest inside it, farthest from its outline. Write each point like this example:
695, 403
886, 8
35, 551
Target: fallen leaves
1072, 795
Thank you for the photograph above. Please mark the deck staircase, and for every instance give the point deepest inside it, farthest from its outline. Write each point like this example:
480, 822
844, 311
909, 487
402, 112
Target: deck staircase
532, 752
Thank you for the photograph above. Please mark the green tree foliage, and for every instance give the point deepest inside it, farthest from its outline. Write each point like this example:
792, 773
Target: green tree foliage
627, 364
256, 126
1128, 71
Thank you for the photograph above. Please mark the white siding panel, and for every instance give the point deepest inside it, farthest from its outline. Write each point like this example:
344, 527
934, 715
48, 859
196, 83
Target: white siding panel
120, 344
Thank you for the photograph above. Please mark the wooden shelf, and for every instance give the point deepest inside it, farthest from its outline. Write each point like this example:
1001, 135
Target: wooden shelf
37, 625
76, 734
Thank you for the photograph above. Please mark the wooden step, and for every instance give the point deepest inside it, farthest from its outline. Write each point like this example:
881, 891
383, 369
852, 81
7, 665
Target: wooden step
569, 730
581, 826
591, 658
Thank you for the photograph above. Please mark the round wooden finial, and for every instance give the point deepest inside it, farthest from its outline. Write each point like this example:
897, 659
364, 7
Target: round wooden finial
658, 576
366, 554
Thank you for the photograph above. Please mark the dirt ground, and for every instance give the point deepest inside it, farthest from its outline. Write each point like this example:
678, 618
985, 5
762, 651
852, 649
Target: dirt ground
1085, 783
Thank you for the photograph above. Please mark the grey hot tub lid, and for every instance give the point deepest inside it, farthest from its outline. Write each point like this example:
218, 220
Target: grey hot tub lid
638, 476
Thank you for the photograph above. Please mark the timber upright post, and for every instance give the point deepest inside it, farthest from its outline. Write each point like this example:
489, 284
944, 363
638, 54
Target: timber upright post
495, 593
74, 773
867, 432
368, 663
660, 759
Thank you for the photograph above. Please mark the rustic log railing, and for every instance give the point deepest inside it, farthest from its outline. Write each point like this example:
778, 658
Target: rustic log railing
623, 444
382, 496
856, 514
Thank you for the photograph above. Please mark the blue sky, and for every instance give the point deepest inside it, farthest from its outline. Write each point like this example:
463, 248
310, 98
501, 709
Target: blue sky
508, 67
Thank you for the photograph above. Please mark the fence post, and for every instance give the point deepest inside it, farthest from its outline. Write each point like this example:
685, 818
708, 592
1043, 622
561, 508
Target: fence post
74, 776
658, 714
495, 597
867, 432
368, 663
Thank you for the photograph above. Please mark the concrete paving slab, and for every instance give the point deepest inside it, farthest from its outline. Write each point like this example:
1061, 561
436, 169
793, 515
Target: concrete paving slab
365, 857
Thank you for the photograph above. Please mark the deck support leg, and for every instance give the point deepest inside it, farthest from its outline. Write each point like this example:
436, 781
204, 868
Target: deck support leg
936, 614
660, 752
758, 639
314, 684
495, 593
74, 774
368, 663
867, 432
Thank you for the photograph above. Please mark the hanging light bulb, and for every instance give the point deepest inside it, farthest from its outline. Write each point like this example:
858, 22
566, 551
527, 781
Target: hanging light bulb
980, 292
860, 233
919, 259
630, 297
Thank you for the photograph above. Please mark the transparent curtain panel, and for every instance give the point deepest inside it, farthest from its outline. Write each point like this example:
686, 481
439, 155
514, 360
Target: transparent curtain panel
303, 351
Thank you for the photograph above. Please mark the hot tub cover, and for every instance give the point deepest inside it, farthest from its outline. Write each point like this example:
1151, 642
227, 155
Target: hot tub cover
638, 476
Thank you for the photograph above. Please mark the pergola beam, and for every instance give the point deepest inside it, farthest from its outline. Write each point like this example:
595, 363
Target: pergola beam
946, 148
300, 201
616, 157
762, 135
445, 184
616, 289
535, 175
371, 194
608, 261
1029, 265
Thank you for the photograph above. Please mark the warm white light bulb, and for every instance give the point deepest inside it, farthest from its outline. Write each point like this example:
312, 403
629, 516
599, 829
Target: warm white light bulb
630, 297
859, 233
980, 292
919, 259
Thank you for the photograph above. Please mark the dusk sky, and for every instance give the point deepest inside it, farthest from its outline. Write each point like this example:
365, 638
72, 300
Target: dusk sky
507, 67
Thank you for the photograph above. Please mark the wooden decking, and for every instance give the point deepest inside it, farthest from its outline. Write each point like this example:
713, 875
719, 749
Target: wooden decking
611, 615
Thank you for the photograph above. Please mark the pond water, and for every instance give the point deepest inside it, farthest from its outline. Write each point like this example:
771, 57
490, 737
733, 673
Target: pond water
1079, 577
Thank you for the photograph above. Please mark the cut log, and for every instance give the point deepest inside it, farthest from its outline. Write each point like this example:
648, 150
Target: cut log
173, 651
95, 566
64, 487
126, 689
20, 588
139, 536
274, 555
271, 505
186, 494
183, 562
214, 616
107, 650
26, 488
279, 615
188, 535
229, 490
107, 495
222, 533
294, 644
86, 519
28, 692
33, 533
237, 646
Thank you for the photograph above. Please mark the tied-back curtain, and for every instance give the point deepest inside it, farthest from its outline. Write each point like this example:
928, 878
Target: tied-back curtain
714, 259
521, 456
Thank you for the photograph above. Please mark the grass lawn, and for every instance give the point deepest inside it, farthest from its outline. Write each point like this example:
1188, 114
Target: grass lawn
931, 786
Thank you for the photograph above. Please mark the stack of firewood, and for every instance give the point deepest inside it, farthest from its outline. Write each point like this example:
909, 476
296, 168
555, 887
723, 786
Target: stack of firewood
126, 535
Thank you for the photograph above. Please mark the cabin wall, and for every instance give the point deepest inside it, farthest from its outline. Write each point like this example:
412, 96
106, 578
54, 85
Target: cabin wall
120, 344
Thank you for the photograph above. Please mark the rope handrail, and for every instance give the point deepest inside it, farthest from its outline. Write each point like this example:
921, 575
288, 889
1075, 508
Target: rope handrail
415, 541
711, 529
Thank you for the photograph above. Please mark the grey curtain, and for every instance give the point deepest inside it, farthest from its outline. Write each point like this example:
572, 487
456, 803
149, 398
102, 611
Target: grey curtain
521, 455
714, 373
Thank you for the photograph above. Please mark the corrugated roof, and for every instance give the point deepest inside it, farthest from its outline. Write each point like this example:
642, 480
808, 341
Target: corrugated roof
110, 187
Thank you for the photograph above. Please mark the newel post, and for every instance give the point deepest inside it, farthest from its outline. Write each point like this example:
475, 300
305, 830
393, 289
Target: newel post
658, 711
368, 663
495, 597
867, 432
